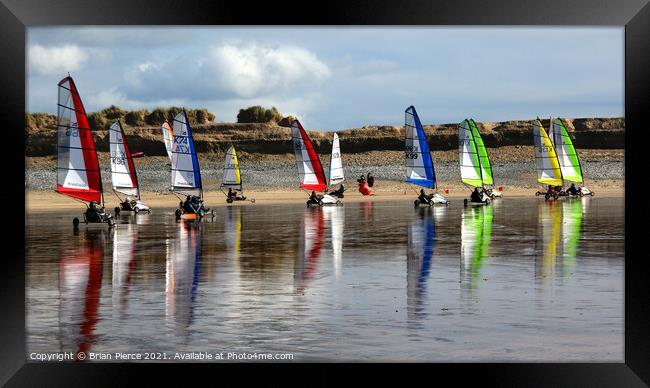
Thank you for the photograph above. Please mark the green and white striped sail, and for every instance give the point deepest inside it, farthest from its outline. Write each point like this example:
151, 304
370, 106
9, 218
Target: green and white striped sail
470, 165
475, 168
566, 152
486, 168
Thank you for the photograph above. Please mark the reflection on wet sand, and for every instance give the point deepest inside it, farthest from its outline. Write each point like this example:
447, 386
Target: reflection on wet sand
421, 243
232, 232
366, 208
80, 282
182, 274
124, 252
572, 211
309, 248
336, 215
476, 236
559, 232
330, 283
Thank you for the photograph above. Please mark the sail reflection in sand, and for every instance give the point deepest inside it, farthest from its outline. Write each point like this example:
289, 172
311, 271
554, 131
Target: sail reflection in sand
560, 229
572, 211
232, 228
80, 282
336, 215
310, 245
124, 252
421, 243
549, 234
182, 275
476, 236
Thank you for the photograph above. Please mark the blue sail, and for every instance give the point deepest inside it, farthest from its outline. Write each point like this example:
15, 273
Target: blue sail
186, 174
419, 166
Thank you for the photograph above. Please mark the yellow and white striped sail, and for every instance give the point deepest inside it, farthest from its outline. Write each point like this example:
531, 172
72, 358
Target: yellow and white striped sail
231, 175
548, 166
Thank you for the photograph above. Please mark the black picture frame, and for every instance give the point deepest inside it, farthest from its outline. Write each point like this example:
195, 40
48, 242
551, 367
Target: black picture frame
17, 15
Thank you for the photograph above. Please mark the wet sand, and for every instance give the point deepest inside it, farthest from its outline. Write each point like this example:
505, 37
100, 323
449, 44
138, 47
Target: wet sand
523, 280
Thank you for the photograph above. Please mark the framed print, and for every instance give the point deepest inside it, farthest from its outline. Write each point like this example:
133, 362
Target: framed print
452, 185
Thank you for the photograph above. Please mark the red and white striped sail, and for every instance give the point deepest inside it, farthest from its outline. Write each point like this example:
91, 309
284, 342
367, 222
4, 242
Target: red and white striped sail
123, 174
78, 173
310, 169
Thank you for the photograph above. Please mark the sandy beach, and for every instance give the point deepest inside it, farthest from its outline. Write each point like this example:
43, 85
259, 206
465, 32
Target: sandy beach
40, 200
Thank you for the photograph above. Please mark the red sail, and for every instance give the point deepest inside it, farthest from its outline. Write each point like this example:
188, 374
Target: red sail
311, 172
78, 167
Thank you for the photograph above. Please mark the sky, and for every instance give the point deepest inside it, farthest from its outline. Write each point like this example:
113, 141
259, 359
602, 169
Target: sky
335, 78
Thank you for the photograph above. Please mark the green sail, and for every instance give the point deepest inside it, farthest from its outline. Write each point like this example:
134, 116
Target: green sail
566, 153
470, 165
483, 156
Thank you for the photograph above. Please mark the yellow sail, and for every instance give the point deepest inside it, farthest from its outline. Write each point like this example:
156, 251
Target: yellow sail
548, 166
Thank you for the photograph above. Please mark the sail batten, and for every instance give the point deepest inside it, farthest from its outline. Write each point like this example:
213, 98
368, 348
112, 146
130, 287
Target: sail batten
78, 174
548, 167
419, 165
186, 174
310, 169
566, 153
123, 173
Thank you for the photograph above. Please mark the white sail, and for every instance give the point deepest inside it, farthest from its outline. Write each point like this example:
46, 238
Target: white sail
168, 137
186, 175
231, 174
122, 168
336, 165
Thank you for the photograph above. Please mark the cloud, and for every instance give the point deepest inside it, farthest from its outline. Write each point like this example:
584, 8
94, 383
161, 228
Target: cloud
251, 70
227, 71
56, 59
